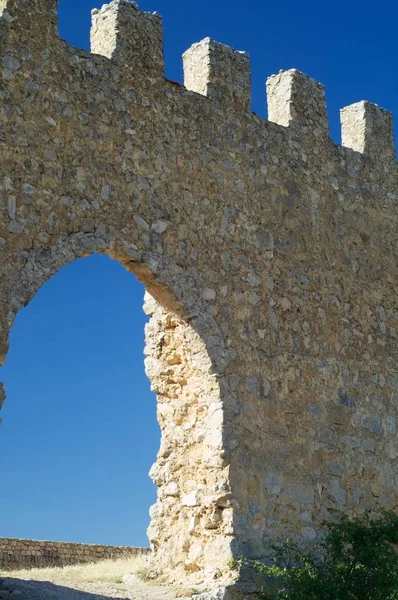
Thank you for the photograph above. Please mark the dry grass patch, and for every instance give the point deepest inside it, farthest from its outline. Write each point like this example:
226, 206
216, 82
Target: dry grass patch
106, 571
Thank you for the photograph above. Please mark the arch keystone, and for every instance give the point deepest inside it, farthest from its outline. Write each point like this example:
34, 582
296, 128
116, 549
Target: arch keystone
296, 99
218, 72
134, 39
367, 128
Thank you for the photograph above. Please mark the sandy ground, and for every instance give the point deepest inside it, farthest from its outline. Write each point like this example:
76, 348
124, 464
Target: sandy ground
43, 590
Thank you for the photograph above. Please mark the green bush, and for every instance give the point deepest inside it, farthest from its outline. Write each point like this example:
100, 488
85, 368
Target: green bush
358, 560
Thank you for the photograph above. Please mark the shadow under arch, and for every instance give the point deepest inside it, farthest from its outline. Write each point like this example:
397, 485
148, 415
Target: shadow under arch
185, 359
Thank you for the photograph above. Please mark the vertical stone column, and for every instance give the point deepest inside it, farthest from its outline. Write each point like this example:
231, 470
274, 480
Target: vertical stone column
218, 72
130, 37
191, 528
294, 99
368, 129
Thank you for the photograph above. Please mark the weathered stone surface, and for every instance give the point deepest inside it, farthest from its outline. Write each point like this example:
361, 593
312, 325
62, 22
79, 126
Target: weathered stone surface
268, 252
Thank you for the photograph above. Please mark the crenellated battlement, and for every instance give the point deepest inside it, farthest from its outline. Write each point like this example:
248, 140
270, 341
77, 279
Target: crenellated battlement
218, 72
270, 255
133, 41
296, 99
368, 129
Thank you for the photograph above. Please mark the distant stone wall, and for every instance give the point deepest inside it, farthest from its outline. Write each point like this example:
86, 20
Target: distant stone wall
22, 554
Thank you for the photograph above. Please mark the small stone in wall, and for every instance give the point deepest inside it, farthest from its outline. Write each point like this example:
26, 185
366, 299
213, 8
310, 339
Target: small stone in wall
9, 62
159, 226
302, 493
172, 489
266, 387
308, 533
190, 499
373, 424
209, 295
369, 445
273, 484
336, 493
333, 468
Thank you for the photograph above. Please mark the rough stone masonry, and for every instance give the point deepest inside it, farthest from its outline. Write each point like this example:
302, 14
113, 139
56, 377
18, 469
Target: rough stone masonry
25, 554
269, 254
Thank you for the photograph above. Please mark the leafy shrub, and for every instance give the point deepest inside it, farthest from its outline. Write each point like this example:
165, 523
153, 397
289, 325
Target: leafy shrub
358, 560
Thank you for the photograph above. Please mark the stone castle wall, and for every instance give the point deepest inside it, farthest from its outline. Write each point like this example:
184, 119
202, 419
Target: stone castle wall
269, 254
25, 554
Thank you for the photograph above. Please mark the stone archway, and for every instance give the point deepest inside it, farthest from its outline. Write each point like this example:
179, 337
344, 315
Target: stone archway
190, 473
276, 247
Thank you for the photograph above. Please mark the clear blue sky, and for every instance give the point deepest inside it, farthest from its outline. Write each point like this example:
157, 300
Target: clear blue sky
80, 431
